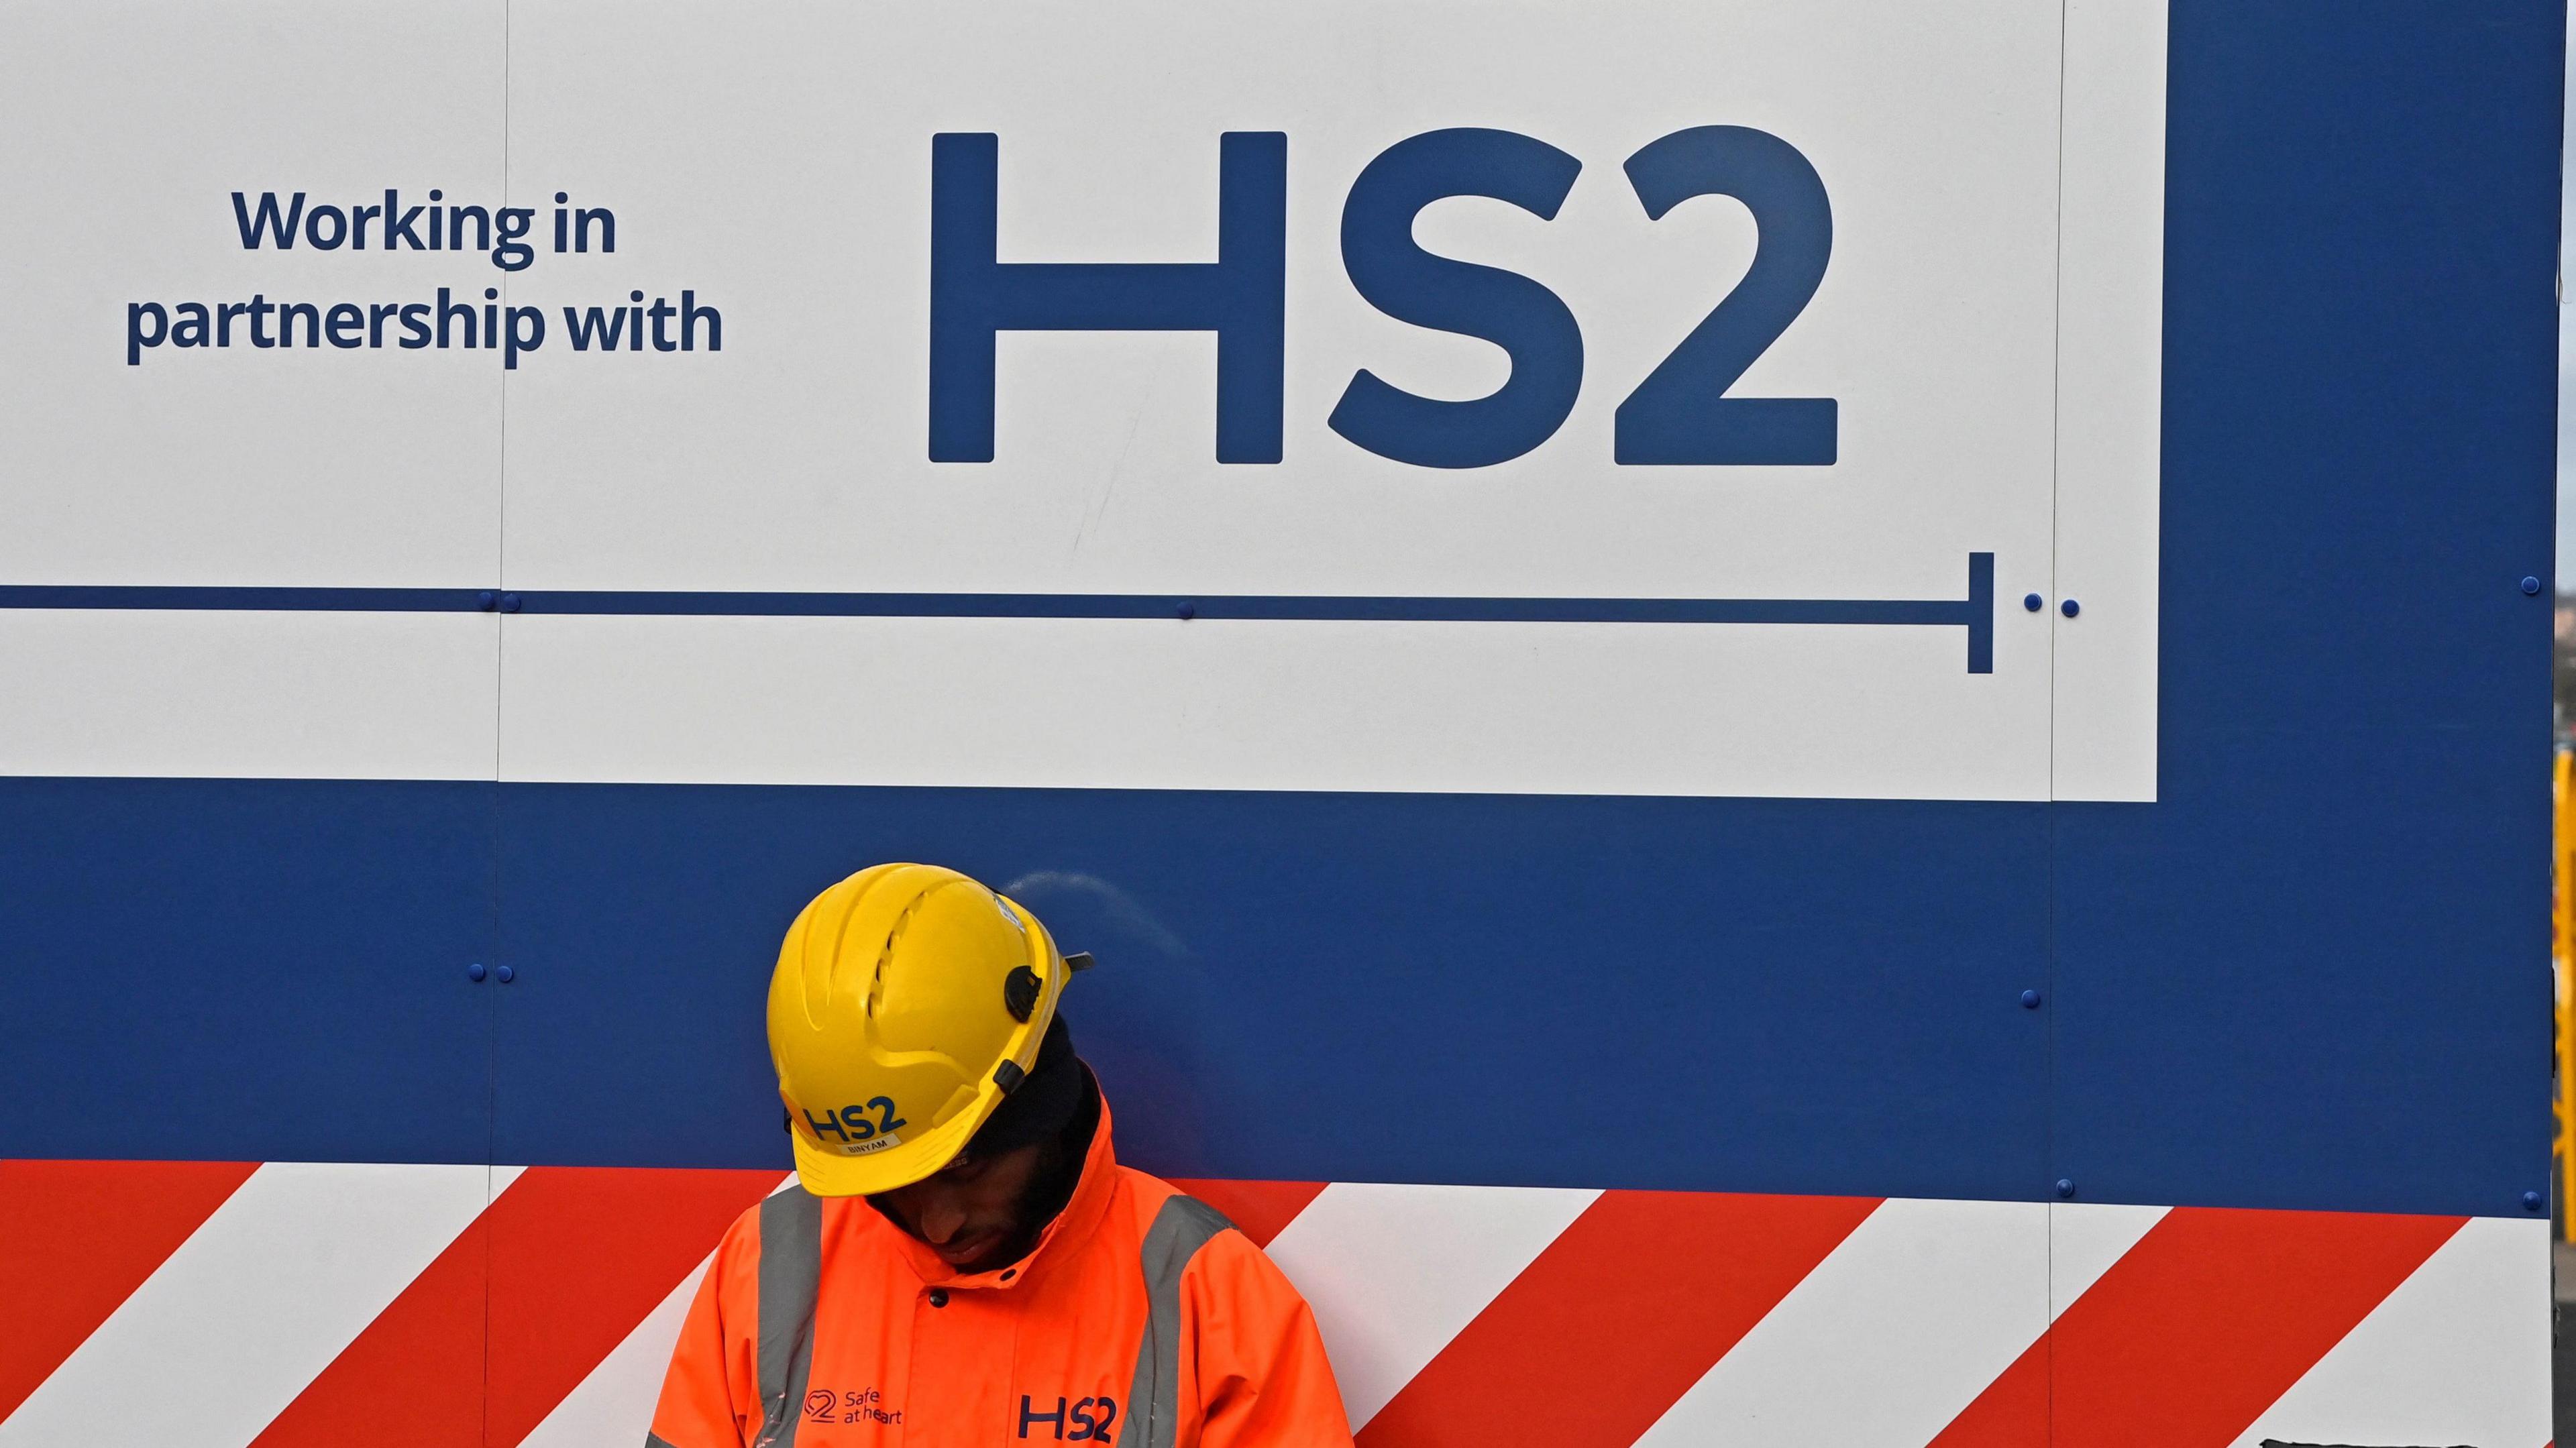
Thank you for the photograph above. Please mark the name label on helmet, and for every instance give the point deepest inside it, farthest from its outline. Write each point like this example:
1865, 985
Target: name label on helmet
856, 1133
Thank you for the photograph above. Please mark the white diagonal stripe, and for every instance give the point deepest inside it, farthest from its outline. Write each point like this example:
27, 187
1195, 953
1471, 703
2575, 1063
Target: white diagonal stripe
1394, 1272
1895, 1332
2459, 1353
253, 1306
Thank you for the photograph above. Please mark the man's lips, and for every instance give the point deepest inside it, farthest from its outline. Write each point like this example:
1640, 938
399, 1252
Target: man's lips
959, 1251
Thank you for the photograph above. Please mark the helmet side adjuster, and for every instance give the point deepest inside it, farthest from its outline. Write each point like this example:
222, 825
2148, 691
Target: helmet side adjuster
1020, 990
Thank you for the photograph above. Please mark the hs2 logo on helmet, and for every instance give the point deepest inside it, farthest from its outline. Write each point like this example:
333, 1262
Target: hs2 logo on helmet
855, 1132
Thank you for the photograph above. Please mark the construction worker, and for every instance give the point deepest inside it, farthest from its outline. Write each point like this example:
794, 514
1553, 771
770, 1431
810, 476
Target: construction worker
962, 1260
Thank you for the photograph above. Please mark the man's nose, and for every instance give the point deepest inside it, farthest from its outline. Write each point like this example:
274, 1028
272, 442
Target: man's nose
941, 1218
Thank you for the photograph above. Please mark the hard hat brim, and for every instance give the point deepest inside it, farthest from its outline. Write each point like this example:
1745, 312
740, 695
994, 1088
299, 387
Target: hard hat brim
828, 1173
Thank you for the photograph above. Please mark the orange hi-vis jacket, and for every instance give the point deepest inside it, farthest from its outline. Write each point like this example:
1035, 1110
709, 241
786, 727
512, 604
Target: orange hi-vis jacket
1142, 1319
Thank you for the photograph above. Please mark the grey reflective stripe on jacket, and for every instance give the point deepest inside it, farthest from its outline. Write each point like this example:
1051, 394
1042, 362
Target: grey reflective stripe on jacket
1180, 1229
791, 1273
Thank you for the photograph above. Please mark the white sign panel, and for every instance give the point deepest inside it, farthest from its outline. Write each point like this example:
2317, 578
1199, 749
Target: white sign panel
1670, 399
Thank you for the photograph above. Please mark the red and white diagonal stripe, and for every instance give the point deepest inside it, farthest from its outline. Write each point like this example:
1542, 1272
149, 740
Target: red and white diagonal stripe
198, 1305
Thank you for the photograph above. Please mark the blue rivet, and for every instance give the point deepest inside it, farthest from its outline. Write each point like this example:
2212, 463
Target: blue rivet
506, 974
2033, 602
1189, 611
2530, 584
2066, 1186
2533, 1201
2030, 1000
509, 603
474, 971
2070, 608
486, 599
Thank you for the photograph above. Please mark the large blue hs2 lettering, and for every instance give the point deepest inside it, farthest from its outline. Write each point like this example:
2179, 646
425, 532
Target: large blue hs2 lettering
1241, 296
1679, 414
1529, 322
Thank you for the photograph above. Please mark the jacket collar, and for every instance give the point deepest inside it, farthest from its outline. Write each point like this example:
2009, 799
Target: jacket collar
1072, 1227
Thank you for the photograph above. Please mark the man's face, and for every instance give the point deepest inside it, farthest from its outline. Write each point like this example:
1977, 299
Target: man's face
975, 1213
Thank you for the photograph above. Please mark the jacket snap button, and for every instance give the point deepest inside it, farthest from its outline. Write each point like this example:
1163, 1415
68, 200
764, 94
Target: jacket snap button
939, 1297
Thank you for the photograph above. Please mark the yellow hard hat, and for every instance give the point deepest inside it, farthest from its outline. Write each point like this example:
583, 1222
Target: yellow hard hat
908, 1001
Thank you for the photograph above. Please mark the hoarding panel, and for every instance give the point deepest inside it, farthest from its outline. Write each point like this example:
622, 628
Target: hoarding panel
2200, 1325
246, 970
1492, 867
1685, 994
2315, 972
221, 693
246, 447
1763, 1319
311, 1300
1912, 159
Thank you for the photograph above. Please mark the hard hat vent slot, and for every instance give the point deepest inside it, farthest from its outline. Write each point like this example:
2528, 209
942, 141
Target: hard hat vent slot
1020, 992
876, 978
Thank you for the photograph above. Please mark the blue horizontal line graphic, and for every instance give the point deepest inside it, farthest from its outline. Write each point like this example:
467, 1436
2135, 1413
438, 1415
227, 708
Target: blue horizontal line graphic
1975, 613
222, 600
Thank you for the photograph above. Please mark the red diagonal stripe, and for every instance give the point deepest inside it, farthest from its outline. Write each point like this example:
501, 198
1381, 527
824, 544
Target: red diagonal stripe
2208, 1321
582, 1256
555, 1273
1615, 1320
76, 1239
2013, 1410
1261, 1210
